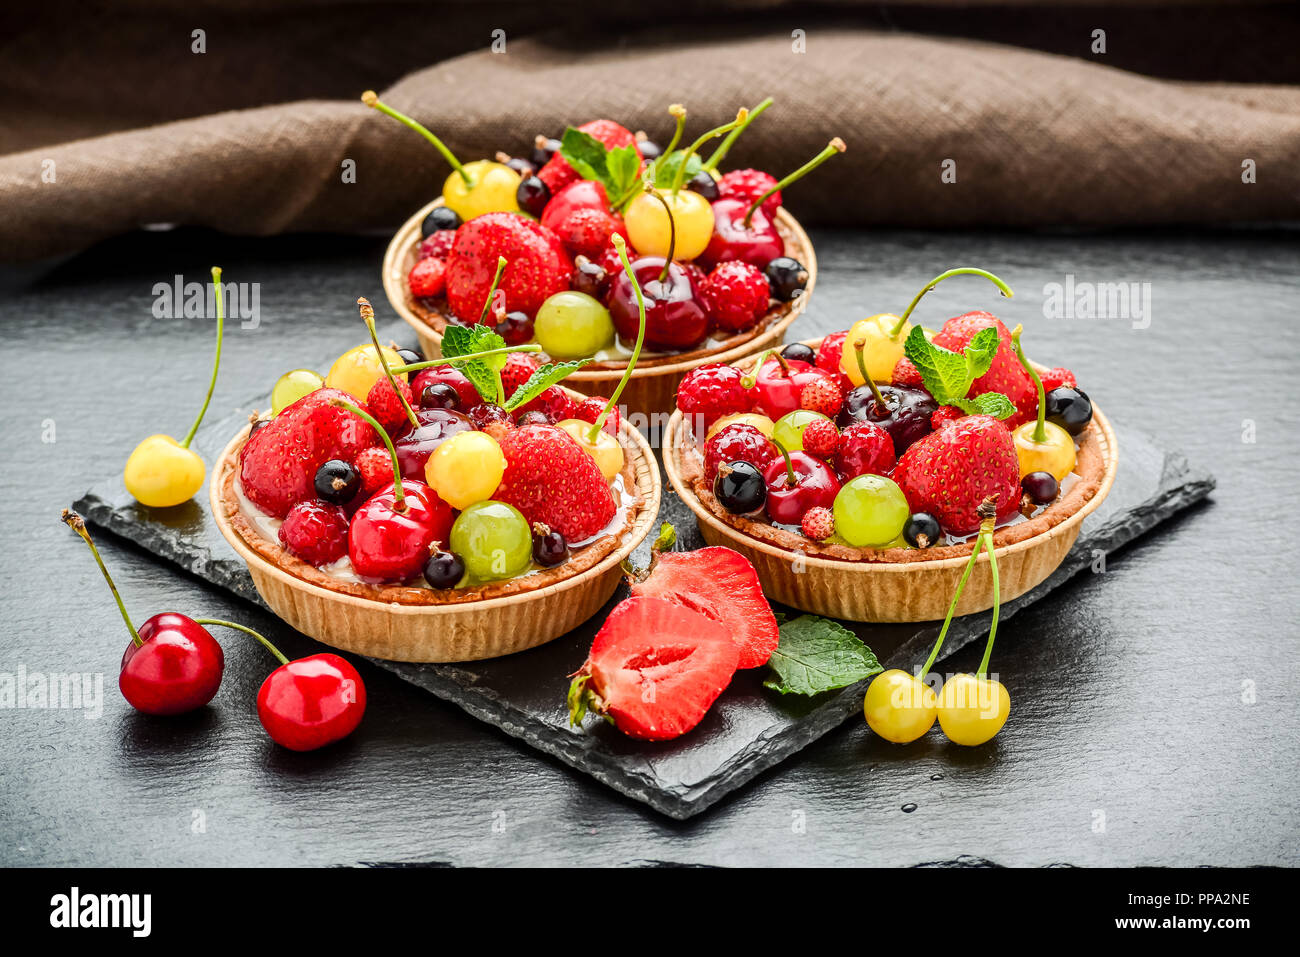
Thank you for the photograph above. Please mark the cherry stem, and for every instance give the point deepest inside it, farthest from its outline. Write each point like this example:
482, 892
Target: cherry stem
621, 246
502, 262
679, 112
986, 535
748, 381
369, 419
1040, 429
371, 100
791, 480
834, 147
368, 316
695, 147
960, 271
860, 350
246, 630
78, 525
952, 607
712, 162
430, 363
216, 362
672, 233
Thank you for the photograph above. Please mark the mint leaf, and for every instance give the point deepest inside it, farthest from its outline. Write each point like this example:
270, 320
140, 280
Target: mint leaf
667, 173
541, 380
586, 154
980, 352
945, 374
624, 167
816, 655
987, 403
484, 372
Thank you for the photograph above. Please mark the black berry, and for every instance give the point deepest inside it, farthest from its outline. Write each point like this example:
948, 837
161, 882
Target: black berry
1041, 487
740, 488
532, 195
589, 277
521, 166
515, 328
409, 355
439, 396
649, 149
439, 218
444, 569
543, 149
922, 530
549, 546
787, 277
1070, 408
797, 351
337, 482
704, 184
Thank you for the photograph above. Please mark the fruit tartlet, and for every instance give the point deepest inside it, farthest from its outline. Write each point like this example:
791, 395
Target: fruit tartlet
724, 268
851, 470
435, 510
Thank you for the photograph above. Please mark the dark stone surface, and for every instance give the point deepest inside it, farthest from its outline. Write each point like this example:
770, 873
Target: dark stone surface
1153, 706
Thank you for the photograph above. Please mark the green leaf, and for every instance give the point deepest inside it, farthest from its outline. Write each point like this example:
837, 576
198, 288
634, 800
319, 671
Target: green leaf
667, 174
980, 352
816, 655
987, 403
945, 374
484, 372
586, 154
541, 380
624, 166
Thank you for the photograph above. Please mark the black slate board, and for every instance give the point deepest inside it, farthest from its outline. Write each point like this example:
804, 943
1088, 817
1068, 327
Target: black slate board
749, 729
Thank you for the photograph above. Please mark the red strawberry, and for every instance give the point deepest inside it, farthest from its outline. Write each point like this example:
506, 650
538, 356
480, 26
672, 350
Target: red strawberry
736, 295
1005, 375
738, 443
712, 391
589, 411
376, 468
538, 266
385, 406
822, 395
518, 369
749, 184
865, 449
905, 373
277, 465
654, 668
722, 585
950, 471
1057, 377
586, 232
427, 278
557, 173
818, 523
552, 480
437, 245
821, 438
945, 413
316, 532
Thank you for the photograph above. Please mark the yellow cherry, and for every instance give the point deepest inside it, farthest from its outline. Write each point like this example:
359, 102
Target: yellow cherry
161, 472
358, 369
606, 451
1054, 454
465, 469
649, 230
492, 190
882, 350
899, 707
972, 709
760, 422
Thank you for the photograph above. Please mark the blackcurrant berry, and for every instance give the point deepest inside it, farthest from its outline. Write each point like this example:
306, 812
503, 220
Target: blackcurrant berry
649, 149
549, 546
589, 277
439, 396
544, 147
535, 417
521, 166
1041, 487
922, 530
740, 488
409, 355
516, 328
800, 352
787, 277
704, 184
337, 482
444, 569
532, 195
1070, 408
439, 218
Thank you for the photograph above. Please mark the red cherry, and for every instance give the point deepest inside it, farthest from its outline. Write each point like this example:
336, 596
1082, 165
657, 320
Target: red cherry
778, 388
757, 244
815, 485
675, 318
390, 539
580, 194
436, 426
177, 666
311, 702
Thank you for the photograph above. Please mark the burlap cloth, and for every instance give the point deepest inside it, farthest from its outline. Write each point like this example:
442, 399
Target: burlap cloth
1037, 138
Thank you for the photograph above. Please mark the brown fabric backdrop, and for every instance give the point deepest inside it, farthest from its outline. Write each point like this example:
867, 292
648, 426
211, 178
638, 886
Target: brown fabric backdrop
1038, 137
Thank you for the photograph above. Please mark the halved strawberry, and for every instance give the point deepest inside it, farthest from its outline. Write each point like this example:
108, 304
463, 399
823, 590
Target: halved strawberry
722, 585
654, 669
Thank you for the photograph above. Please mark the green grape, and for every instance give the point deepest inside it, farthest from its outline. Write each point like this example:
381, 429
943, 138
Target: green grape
573, 325
493, 540
870, 511
292, 386
789, 428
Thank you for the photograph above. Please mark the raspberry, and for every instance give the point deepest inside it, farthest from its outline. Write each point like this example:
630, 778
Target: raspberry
375, 466
437, 245
608, 260
865, 449
737, 443
821, 438
427, 278
945, 413
829, 352
1057, 377
712, 391
905, 373
385, 406
589, 411
818, 523
822, 395
518, 369
586, 231
736, 295
315, 532
749, 184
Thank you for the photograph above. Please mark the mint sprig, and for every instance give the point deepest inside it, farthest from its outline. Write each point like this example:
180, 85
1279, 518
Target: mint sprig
616, 169
541, 380
666, 170
816, 655
483, 372
948, 375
